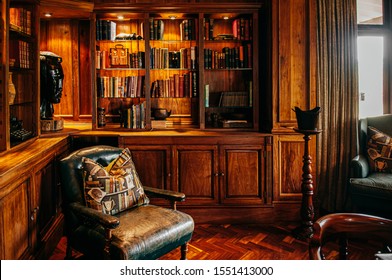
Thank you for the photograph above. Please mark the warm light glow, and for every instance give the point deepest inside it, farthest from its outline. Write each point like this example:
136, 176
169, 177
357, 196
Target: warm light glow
172, 17
226, 17
120, 17
48, 14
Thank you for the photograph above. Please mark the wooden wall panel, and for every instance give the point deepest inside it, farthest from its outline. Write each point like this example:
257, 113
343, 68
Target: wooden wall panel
288, 162
70, 39
59, 41
293, 59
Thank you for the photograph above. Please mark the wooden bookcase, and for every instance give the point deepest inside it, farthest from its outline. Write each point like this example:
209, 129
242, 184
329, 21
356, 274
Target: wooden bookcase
20, 64
199, 62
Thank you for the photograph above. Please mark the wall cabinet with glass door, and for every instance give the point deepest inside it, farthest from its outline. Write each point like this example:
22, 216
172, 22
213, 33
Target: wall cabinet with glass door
20, 86
230, 70
186, 68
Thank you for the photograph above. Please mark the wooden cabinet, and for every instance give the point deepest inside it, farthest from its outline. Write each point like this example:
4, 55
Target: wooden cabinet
30, 200
212, 170
19, 98
199, 62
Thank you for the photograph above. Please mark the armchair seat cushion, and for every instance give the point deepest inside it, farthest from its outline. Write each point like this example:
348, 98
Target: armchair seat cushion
378, 185
373, 194
138, 237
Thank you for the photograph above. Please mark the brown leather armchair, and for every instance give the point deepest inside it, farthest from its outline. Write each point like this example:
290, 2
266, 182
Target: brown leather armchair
343, 227
142, 232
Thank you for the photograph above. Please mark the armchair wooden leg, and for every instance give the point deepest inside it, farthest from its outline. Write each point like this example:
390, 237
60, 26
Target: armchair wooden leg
184, 250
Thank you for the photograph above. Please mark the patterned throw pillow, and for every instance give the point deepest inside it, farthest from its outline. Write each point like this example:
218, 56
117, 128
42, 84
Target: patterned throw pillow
115, 188
379, 149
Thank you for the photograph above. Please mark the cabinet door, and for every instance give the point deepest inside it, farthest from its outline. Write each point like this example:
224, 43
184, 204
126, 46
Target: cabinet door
195, 170
230, 62
119, 99
44, 202
153, 165
15, 216
242, 174
173, 63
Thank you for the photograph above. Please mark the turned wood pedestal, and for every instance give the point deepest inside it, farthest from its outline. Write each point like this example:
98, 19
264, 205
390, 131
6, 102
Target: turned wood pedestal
305, 230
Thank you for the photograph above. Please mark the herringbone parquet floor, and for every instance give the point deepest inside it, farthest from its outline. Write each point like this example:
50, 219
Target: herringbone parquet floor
247, 242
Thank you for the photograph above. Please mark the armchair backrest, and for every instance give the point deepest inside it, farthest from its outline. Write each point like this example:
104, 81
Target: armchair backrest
382, 123
71, 170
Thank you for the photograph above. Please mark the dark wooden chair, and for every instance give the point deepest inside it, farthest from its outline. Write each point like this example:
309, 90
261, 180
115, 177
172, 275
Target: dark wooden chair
142, 232
344, 227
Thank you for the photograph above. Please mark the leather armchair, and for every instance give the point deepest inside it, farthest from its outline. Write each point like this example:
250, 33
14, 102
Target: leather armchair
343, 227
371, 192
143, 232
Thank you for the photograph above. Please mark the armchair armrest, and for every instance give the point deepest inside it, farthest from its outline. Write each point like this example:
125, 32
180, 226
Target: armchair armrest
360, 167
88, 214
166, 194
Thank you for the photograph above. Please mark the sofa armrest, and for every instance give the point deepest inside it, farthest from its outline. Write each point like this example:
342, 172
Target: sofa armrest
91, 215
359, 167
166, 194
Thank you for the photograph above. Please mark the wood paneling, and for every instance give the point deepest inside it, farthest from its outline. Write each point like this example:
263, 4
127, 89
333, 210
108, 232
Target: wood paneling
294, 52
70, 39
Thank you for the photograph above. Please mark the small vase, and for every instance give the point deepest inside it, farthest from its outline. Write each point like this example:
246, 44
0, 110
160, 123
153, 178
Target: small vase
11, 90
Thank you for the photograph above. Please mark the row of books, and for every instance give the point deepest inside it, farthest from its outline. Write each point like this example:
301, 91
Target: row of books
162, 58
20, 19
121, 87
106, 30
241, 29
175, 86
134, 116
228, 58
20, 54
157, 27
102, 60
188, 29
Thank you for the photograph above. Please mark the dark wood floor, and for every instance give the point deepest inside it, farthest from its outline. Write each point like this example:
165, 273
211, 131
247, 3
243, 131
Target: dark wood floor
248, 242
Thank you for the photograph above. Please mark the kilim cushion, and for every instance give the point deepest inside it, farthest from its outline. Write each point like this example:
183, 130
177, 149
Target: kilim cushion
115, 188
379, 150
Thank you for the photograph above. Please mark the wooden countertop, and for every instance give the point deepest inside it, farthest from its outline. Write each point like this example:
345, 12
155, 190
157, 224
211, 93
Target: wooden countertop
16, 161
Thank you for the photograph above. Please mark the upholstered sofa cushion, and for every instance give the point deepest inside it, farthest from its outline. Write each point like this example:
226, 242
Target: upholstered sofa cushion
379, 150
115, 188
376, 185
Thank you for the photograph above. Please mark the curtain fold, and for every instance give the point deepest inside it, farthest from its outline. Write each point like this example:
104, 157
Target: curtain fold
337, 93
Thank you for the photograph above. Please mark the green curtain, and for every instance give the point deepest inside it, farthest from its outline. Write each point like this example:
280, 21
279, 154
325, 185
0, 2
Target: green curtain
337, 93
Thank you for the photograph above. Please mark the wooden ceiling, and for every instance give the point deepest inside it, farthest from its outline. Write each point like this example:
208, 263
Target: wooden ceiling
66, 9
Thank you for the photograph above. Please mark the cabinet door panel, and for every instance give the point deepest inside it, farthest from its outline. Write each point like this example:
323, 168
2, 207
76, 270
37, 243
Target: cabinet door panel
288, 163
153, 165
196, 173
15, 217
45, 198
242, 169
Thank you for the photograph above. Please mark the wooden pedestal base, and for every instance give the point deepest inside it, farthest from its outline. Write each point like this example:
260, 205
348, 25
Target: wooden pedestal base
305, 230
